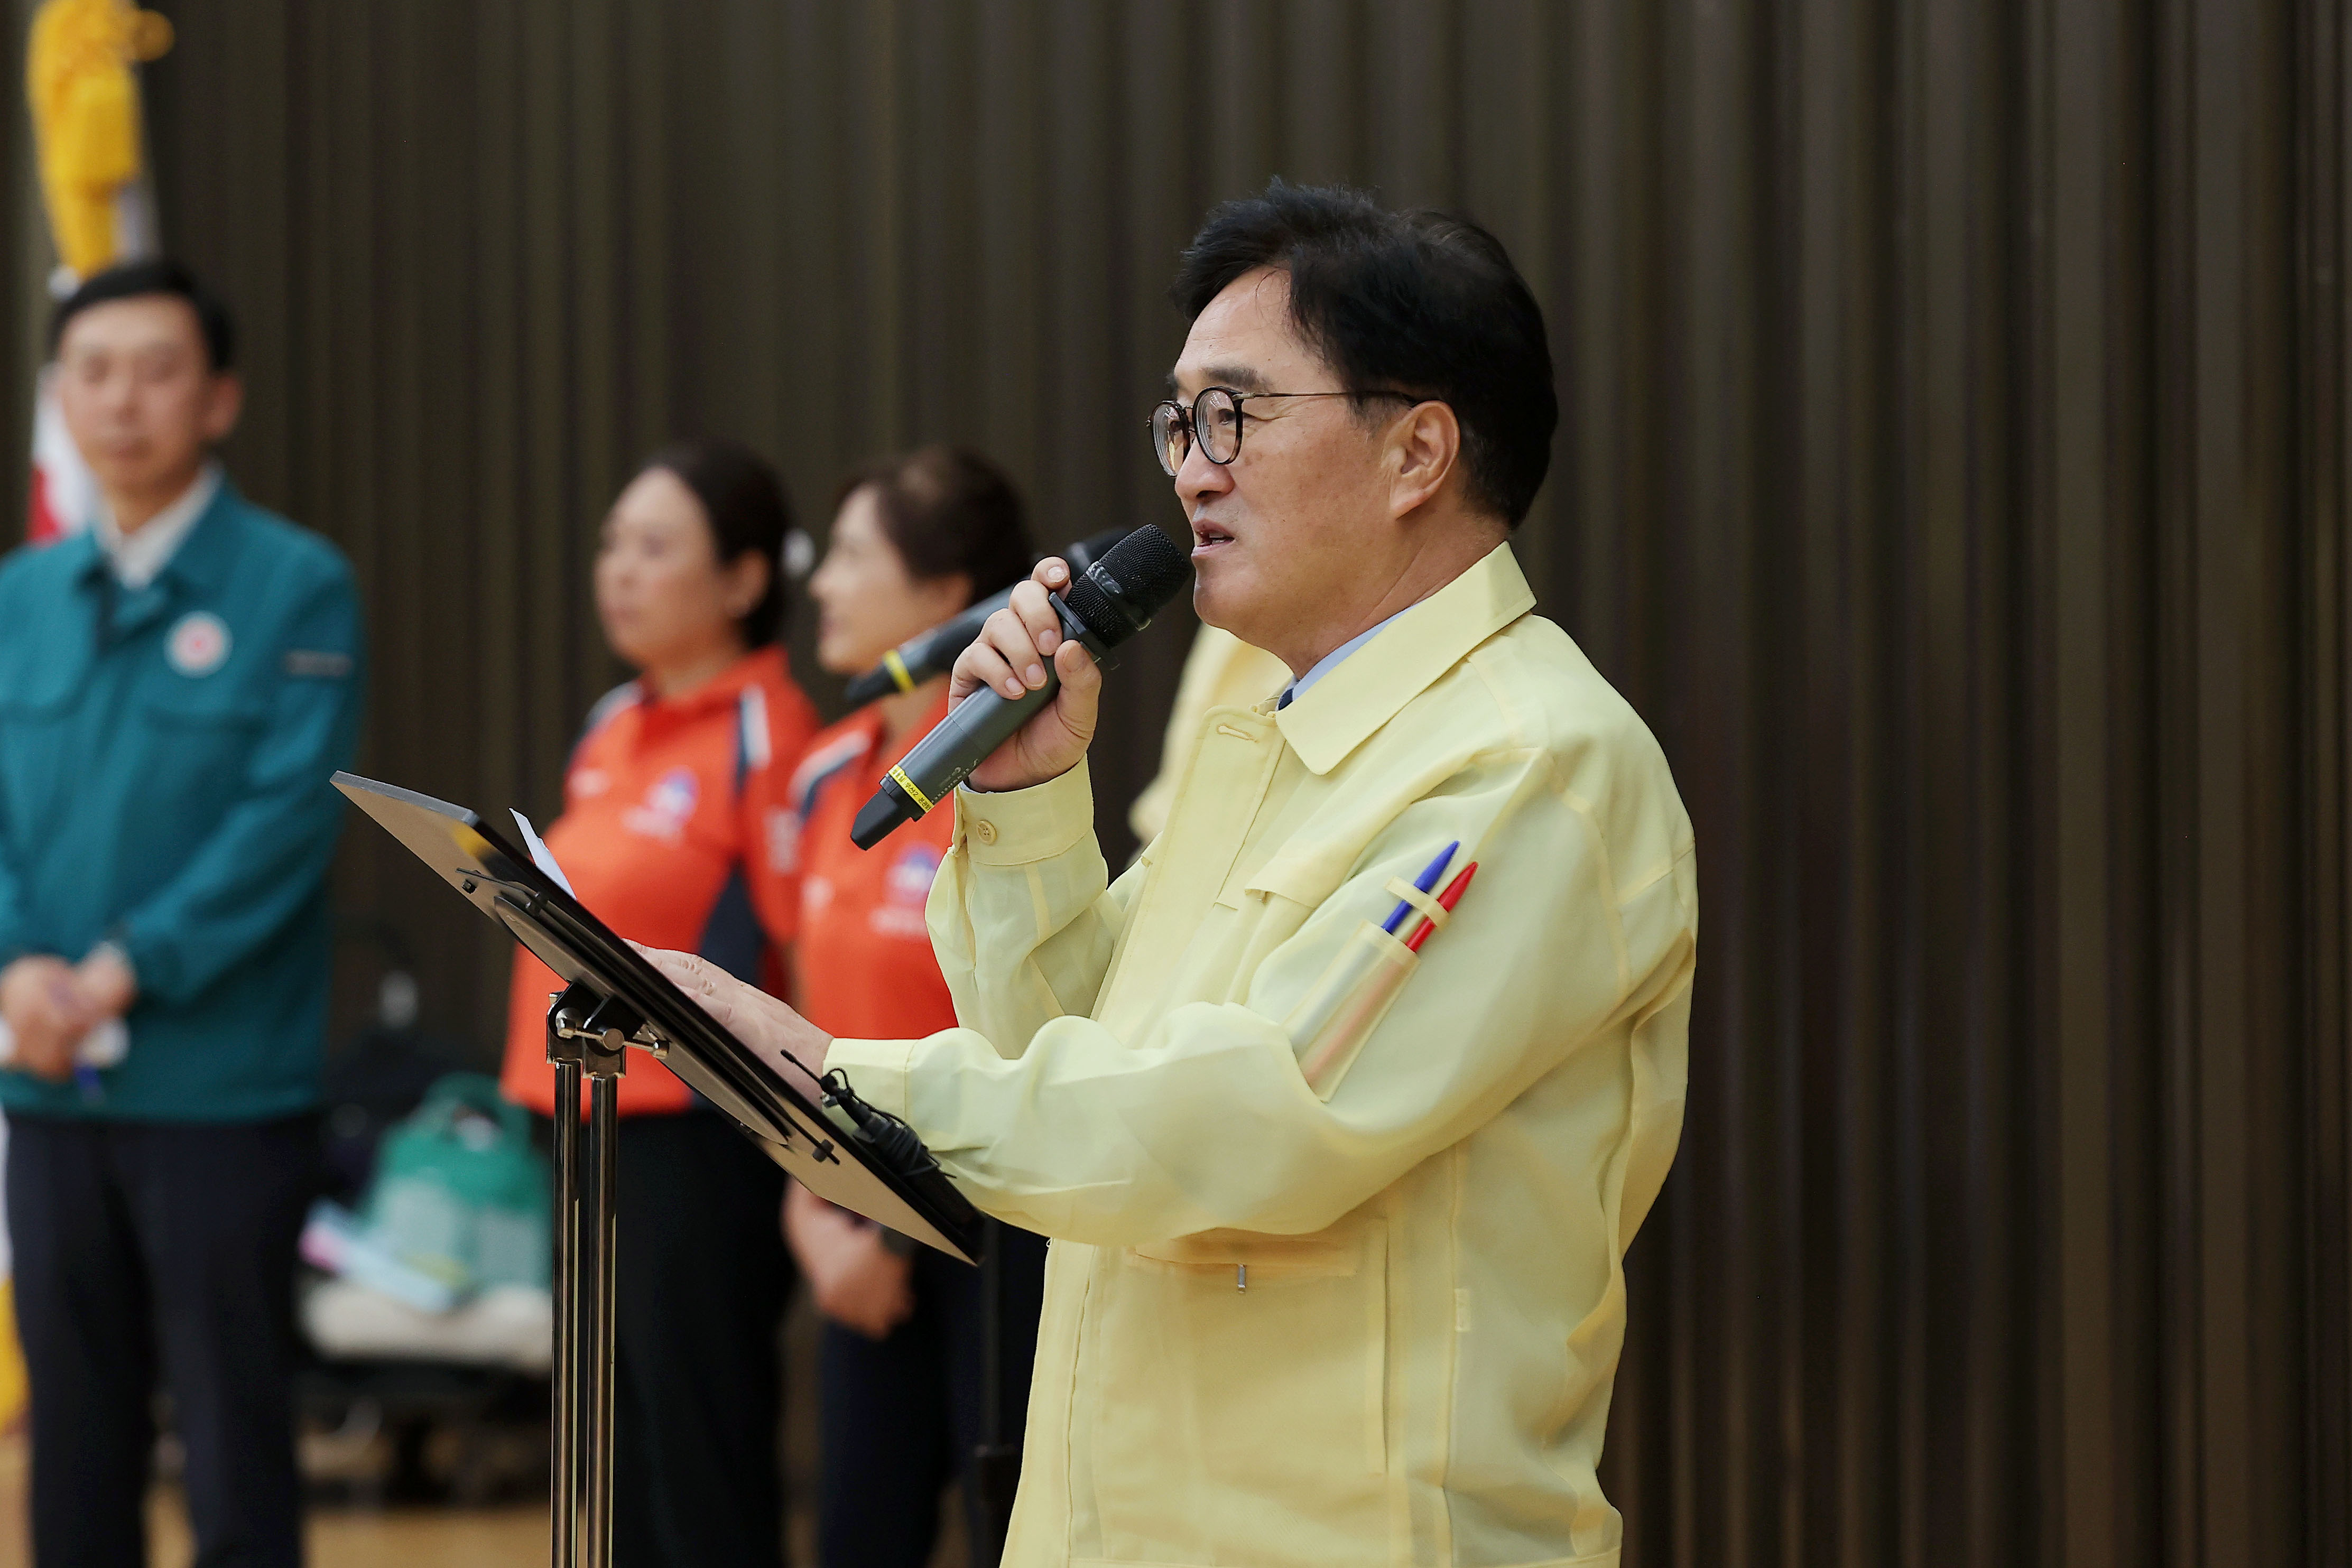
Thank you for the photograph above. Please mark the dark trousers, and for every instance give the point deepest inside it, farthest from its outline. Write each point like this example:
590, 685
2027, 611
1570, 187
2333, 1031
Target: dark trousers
148, 1249
902, 1416
702, 1275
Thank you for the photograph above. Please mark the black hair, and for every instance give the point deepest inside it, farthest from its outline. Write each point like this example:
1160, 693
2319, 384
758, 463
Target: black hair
1421, 302
947, 510
743, 501
135, 279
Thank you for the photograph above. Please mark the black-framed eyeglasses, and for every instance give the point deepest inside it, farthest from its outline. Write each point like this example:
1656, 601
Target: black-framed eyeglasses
1215, 421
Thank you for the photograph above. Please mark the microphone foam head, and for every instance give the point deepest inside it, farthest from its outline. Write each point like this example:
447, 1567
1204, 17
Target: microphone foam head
1118, 594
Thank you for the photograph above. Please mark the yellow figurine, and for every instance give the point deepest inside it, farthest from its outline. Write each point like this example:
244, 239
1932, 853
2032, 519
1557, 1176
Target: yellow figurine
85, 102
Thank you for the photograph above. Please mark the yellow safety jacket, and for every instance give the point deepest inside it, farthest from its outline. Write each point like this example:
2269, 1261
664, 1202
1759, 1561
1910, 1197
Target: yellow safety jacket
1221, 671
1336, 1279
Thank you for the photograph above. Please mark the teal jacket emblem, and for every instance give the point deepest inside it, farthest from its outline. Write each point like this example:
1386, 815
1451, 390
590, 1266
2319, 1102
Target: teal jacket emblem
164, 756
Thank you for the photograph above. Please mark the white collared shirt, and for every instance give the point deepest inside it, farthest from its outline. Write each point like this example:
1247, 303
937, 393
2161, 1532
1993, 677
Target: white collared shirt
137, 556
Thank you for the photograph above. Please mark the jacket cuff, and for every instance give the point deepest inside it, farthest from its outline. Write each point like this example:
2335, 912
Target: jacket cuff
1022, 827
150, 959
877, 1070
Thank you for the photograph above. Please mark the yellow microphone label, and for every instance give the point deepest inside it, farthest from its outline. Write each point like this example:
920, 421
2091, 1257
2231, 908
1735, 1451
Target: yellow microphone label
916, 796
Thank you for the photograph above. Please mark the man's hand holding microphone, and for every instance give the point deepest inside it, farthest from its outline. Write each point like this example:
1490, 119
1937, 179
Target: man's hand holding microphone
1019, 736
1015, 648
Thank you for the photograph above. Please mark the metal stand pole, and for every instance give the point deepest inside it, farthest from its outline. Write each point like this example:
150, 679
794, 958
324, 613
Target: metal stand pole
996, 1466
605, 1127
586, 1036
563, 1416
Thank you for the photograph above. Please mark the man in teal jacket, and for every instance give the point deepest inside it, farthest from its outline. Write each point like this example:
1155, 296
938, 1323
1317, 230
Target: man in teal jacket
177, 683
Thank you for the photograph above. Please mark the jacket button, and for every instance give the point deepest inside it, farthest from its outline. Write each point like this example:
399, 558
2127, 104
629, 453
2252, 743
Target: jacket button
984, 830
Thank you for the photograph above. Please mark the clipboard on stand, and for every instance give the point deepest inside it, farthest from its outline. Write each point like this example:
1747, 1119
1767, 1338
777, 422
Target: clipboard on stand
615, 1000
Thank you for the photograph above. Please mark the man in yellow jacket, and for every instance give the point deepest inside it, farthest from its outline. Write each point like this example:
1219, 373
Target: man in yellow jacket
1338, 1224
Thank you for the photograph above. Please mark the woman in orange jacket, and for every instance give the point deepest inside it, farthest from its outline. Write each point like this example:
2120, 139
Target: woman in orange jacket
914, 541
665, 835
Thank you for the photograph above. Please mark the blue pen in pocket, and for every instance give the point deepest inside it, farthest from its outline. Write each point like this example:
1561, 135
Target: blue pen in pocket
1425, 880
1347, 1000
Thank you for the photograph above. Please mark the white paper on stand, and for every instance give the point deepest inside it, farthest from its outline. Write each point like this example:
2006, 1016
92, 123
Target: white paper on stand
540, 856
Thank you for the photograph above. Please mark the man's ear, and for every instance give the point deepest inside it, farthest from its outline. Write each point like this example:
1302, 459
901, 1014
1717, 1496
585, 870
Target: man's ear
1422, 448
224, 401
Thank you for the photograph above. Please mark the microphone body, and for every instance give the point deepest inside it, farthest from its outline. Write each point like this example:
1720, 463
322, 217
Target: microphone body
934, 652
1113, 600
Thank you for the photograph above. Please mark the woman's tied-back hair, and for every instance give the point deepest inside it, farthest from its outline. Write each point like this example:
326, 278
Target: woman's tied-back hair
743, 501
1421, 302
946, 510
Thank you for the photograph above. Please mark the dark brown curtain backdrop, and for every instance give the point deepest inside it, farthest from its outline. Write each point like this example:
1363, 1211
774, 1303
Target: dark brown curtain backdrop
1952, 472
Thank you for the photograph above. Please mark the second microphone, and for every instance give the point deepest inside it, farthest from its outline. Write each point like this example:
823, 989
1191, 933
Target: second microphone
934, 652
1105, 604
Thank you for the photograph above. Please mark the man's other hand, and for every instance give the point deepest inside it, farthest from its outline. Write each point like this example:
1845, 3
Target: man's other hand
105, 982
1010, 657
776, 1034
854, 1280
44, 1009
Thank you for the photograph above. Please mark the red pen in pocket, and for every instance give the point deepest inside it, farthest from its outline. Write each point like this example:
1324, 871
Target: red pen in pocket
1346, 1002
1446, 901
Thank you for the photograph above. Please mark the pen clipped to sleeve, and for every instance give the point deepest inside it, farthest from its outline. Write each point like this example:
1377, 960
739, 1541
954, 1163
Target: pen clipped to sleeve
1350, 998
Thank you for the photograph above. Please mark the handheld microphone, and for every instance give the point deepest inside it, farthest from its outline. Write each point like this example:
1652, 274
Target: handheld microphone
934, 652
1114, 599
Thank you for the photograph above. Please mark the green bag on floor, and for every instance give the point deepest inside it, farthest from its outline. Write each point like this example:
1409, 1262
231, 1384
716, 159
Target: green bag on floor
459, 1193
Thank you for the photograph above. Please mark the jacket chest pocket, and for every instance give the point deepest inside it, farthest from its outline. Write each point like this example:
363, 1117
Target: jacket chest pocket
200, 742
37, 769
1266, 906
1242, 1388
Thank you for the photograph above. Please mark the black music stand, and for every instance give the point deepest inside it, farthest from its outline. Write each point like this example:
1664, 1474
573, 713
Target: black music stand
840, 1148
